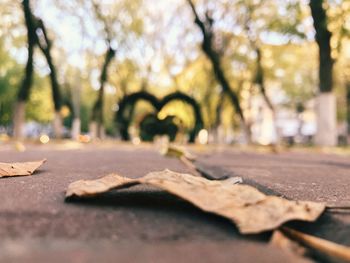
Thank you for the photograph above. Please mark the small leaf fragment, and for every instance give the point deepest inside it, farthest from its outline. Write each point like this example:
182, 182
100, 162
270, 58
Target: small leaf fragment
19, 169
251, 210
177, 152
20, 147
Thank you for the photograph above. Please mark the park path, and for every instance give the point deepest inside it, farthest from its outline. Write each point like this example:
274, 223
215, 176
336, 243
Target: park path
146, 225
297, 176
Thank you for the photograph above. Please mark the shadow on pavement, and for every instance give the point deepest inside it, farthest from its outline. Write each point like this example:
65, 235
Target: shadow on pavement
161, 201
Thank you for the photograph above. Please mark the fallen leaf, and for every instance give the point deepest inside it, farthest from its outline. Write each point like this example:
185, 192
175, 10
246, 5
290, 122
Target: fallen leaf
197, 169
176, 151
19, 169
189, 164
251, 210
20, 147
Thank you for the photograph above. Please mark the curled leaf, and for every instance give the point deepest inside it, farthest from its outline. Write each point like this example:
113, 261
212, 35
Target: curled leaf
19, 169
251, 210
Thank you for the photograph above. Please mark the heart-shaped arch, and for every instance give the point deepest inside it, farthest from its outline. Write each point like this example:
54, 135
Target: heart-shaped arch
123, 116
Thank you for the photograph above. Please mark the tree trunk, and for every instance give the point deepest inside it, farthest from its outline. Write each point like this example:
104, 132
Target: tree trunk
45, 46
57, 125
326, 126
76, 90
93, 129
24, 90
19, 120
260, 81
97, 112
326, 106
217, 123
76, 127
348, 110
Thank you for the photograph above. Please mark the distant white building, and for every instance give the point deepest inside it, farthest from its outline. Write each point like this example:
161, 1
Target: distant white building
287, 123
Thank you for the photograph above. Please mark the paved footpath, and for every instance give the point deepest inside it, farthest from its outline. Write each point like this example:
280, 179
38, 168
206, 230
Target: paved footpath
141, 224
298, 176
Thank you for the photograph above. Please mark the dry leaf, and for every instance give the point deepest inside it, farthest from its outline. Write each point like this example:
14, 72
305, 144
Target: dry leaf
20, 147
249, 209
197, 169
175, 151
19, 169
189, 164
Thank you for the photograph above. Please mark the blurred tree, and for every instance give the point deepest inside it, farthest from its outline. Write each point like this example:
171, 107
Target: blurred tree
348, 106
71, 93
260, 45
9, 71
124, 117
116, 25
253, 32
97, 127
97, 121
208, 48
348, 110
152, 126
45, 46
36, 35
339, 23
38, 108
24, 90
326, 108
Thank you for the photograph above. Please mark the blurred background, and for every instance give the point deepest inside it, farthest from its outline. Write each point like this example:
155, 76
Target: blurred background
217, 72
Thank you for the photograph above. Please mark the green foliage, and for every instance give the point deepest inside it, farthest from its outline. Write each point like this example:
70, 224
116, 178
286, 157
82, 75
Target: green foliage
40, 108
158, 50
152, 126
9, 79
85, 117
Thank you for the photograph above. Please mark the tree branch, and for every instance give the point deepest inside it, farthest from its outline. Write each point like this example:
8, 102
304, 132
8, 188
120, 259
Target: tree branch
214, 57
45, 45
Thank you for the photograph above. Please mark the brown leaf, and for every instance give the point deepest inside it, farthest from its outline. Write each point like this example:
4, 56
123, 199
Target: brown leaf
19, 169
251, 210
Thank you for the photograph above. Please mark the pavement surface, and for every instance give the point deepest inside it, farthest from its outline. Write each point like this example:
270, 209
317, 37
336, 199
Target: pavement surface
143, 224
298, 176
